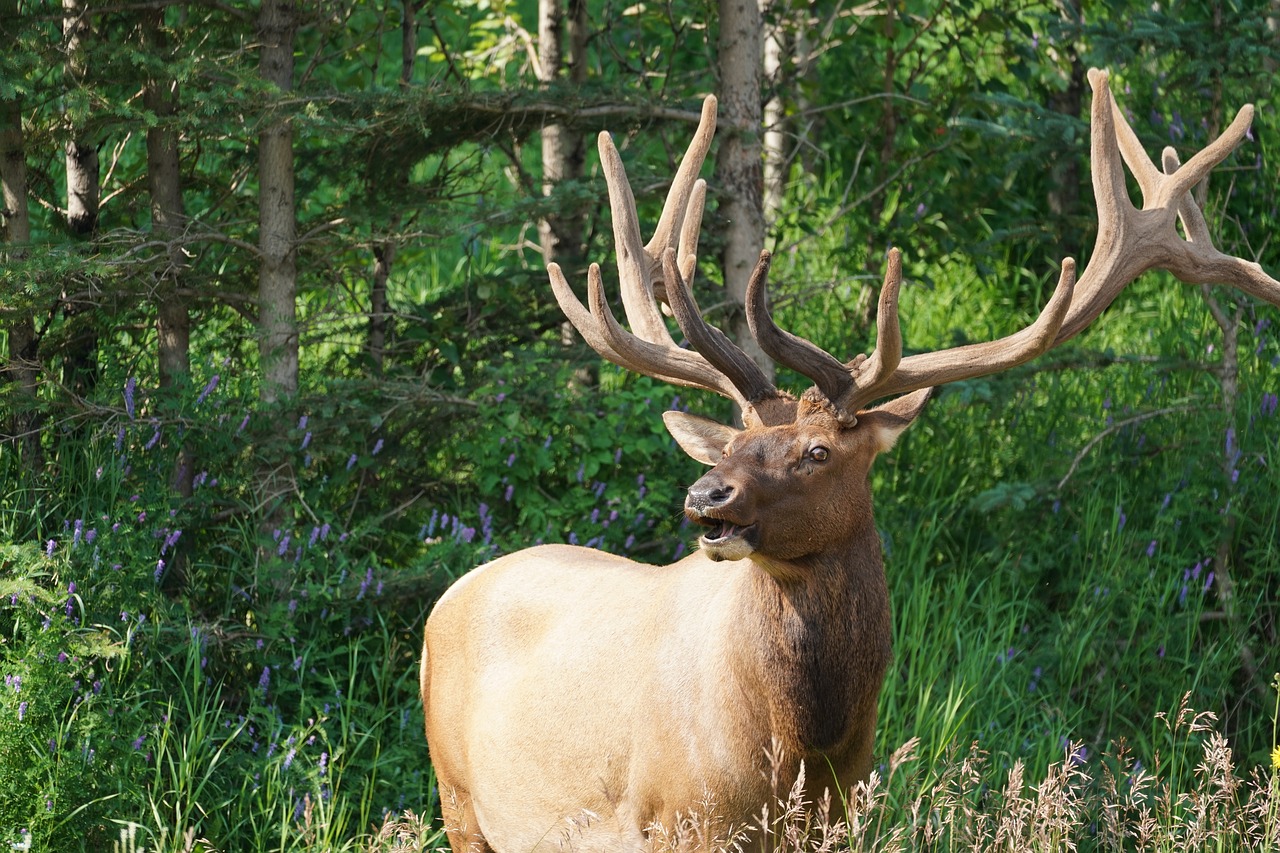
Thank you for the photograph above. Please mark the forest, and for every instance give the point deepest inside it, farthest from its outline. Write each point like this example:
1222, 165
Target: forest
280, 361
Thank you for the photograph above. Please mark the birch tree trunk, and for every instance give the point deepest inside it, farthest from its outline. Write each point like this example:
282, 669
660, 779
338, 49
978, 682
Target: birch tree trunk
775, 155
277, 217
739, 167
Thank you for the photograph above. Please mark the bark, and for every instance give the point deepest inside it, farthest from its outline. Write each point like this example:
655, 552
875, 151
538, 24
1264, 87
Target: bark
22, 367
83, 189
775, 156
384, 255
80, 368
562, 44
168, 220
277, 217
1063, 197
563, 150
868, 302
384, 252
739, 166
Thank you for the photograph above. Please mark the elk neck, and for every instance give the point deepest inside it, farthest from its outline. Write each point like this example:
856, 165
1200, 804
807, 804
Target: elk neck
821, 640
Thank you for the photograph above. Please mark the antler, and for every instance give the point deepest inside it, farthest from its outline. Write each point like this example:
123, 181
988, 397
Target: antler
662, 268
1130, 242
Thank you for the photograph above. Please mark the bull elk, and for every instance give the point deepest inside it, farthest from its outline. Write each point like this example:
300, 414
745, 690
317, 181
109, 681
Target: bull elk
577, 699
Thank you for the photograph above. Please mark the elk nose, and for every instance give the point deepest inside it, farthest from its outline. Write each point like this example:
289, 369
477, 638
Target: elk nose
708, 493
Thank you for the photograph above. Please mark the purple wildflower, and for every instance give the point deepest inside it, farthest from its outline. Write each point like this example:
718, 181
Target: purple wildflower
288, 759
264, 680
1151, 549
324, 762
377, 447
302, 422
22, 710
351, 462
1269, 402
511, 490
159, 570
129, 385
208, 389
137, 744
48, 548
306, 439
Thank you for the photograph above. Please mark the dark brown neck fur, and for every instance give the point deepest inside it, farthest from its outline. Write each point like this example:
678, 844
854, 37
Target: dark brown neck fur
824, 643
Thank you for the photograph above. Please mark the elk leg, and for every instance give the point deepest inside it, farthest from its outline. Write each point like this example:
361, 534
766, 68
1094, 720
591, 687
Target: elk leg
460, 822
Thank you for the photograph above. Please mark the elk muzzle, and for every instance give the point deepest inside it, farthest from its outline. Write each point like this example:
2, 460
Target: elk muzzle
718, 505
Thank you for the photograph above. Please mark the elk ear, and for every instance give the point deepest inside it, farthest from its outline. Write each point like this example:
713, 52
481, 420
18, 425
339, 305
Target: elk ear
890, 420
701, 438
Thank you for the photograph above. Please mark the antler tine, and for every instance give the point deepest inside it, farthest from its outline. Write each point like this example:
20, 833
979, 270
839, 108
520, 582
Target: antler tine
804, 357
846, 386
668, 364
680, 204
634, 264
744, 374
640, 265
1132, 241
973, 360
879, 368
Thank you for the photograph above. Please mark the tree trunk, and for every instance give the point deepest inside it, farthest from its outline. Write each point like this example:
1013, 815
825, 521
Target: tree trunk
80, 367
562, 236
775, 155
1063, 196
22, 366
384, 252
739, 167
563, 150
277, 218
168, 220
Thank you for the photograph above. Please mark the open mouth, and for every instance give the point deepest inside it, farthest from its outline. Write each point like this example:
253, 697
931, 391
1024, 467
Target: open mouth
720, 531
723, 540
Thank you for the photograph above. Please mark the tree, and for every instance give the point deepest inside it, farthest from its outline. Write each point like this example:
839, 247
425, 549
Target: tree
22, 367
739, 164
80, 366
277, 216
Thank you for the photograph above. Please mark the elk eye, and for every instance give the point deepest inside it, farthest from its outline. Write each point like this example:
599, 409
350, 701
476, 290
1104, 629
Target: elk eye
819, 454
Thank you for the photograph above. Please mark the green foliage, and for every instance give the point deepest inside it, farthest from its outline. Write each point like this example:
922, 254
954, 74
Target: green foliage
236, 668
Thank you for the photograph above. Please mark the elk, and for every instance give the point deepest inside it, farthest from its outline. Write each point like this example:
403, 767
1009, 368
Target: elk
577, 699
